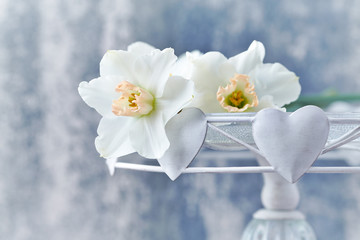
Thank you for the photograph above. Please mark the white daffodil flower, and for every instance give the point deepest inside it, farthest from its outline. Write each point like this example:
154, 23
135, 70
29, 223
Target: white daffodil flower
136, 94
242, 83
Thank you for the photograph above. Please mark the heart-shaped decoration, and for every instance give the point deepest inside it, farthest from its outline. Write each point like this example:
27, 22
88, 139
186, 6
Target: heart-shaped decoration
186, 132
291, 143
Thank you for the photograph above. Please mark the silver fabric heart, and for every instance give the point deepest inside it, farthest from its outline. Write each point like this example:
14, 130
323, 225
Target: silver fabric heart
291, 143
186, 132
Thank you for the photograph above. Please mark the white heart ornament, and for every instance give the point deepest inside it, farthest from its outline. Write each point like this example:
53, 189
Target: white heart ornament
291, 143
186, 132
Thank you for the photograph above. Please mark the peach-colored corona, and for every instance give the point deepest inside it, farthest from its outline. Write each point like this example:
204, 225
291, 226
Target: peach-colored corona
134, 101
239, 95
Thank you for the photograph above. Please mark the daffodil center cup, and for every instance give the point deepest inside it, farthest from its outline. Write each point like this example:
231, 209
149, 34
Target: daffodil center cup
239, 95
134, 101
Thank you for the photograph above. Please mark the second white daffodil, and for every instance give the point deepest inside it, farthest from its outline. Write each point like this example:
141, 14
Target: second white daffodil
242, 83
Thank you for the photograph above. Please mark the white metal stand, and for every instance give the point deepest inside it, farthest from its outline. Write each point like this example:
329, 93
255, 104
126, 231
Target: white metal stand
279, 219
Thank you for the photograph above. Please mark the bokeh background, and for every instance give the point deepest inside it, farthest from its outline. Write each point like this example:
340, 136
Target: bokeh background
53, 184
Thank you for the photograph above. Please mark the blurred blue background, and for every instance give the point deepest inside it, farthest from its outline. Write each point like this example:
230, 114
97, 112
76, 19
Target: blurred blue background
53, 184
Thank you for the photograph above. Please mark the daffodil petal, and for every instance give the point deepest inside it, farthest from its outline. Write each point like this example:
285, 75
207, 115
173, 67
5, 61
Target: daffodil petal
207, 73
153, 70
277, 81
193, 55
148, 136
119, 63
113, 137
207, 102
140, 48
177, 94
248, 60
99, 93
183, 66
265, 102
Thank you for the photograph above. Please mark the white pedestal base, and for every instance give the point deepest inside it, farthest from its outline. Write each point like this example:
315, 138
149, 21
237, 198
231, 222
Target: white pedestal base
285, 229
279, 220
266, 214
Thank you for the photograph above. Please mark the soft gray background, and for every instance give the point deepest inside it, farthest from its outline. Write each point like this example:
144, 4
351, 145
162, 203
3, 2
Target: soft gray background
53, 185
